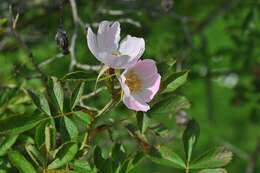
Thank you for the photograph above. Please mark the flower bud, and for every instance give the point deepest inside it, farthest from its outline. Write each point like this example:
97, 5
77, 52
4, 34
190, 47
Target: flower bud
182, 118
62, 40
167, 5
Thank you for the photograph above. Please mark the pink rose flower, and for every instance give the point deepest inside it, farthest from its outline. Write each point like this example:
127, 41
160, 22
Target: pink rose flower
106, 48
140, 83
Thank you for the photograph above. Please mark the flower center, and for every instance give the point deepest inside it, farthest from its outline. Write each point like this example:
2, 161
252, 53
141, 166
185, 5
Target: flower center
116, 53
133, 81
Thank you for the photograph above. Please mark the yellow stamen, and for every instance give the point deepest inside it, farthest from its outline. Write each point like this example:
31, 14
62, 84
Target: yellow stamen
116, 53
133, 81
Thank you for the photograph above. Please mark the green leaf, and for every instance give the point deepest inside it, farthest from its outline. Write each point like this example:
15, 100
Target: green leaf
219, 170
107, 167
50, 137
75, 97
174, 81
83, 116
39, 136
130, 163
19, 123
36, 156
3, 21
20, 162
169, 105
118, 154
7, 144
66, 153
142, 121
81, 166
40, 102
250, 21
214, 158
71, 128
166, 157
55, 92
99, 161
190, 137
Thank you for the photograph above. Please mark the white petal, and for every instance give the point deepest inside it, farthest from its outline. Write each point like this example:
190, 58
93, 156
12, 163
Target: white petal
145, 68
132, 46
134, 104
108, 36
92, 42
115, 61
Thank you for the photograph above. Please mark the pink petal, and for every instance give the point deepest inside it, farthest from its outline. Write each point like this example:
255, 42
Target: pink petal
114, 61
108, 36
152, 81
145, 68
134, 104
132, 46
92, 42
152, 89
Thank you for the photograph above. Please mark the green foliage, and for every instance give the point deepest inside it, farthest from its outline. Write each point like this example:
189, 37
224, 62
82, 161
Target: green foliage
64, 155
7, 144
190, 137
165, 156
19, 123
20, 162
72, 118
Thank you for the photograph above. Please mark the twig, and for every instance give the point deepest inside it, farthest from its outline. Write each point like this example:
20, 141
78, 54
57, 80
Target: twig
73, 61
93, 93
88, 67
77, 20
50, 60
23, 44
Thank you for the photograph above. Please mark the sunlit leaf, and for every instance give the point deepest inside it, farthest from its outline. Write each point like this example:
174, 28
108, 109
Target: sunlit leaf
20, 162
7, 144
71, 128
169, 105
55, 92
81, 166
35, 155
3, 21
39, 136
76, 95
219, 170
166, 157
50, 137
83, 116
40, 102
66, 153
174, 81
214, 158
19, 123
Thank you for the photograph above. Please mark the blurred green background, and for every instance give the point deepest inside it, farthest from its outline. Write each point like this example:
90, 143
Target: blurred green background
217, 40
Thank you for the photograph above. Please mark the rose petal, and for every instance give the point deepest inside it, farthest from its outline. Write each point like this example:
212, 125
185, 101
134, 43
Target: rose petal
114, 61
134, 104
108, 36
145, 68
92, 42
132, 46
152, 81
